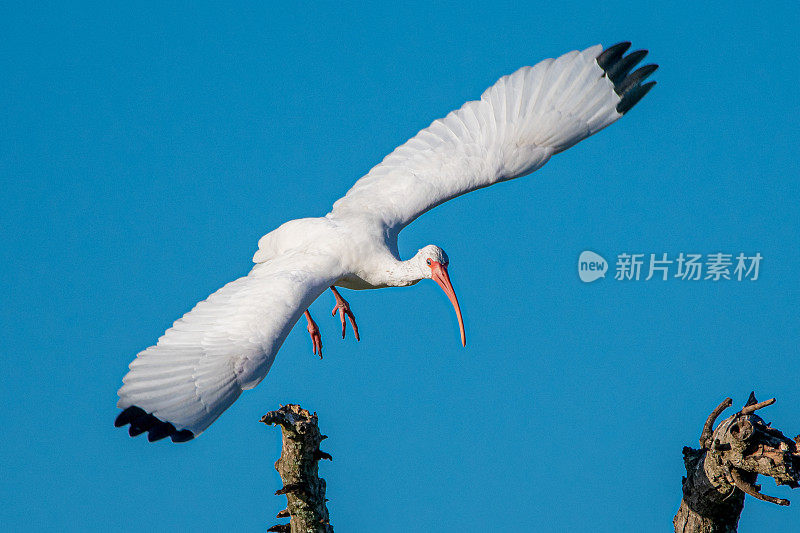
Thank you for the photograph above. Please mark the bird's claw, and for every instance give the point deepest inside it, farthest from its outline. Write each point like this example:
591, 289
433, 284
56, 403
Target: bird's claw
316, 338
344, 310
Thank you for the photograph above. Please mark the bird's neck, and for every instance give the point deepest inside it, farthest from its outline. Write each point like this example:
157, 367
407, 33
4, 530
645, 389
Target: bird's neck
396, 273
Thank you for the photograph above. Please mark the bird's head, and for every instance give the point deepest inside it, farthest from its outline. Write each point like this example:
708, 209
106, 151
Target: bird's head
433, 263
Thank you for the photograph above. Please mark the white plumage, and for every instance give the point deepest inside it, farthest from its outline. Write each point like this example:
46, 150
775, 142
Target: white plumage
228, 342
511, 131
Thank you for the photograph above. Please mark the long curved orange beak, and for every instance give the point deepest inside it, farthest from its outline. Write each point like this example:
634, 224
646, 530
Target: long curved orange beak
440, 276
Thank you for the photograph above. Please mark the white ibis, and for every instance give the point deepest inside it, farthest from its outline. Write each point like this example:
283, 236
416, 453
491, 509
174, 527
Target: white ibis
227, 343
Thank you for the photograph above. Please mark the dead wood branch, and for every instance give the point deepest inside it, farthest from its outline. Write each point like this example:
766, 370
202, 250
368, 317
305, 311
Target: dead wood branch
298, 468
726, 466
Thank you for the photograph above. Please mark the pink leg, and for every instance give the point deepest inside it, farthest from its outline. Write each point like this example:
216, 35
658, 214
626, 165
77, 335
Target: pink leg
344, 310
316, 338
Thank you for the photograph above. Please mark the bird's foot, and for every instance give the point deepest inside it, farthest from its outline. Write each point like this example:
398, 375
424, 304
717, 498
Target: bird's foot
316, 338
344, 310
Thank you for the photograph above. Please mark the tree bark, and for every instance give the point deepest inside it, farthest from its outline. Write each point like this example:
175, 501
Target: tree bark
726, 466
298, 468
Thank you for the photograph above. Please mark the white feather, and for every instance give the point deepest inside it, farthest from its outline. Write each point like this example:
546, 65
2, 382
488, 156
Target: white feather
226, 344
516, 126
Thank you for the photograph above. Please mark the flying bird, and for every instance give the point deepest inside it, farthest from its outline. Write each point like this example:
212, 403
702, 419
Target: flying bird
228, 342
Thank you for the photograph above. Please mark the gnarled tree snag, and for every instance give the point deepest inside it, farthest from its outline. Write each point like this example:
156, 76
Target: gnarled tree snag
724, 469
298, 468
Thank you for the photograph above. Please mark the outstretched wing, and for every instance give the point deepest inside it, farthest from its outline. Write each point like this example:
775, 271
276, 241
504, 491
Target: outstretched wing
225, 345
514, 128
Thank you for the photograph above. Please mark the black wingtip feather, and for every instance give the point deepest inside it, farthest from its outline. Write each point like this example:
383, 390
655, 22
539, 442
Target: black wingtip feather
160, 431
633, 96
125, 417
638, 76
619, 71
183, 435
617, 66
142, 421
612, 54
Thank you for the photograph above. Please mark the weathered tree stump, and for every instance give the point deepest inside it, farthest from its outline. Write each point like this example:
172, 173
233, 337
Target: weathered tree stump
298, 468
726, 466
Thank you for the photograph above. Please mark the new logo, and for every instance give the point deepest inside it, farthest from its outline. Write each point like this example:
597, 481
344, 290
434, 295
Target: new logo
591, 266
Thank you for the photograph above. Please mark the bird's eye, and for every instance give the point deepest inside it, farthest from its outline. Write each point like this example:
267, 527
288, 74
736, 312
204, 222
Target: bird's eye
428, 261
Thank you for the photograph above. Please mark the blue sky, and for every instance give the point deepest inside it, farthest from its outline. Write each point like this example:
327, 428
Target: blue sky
144, 150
